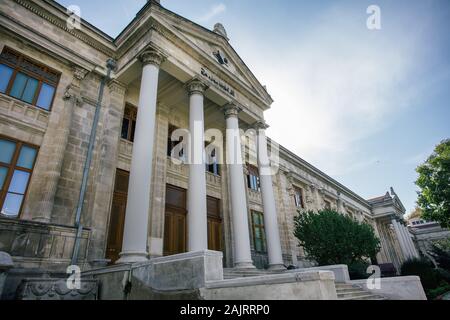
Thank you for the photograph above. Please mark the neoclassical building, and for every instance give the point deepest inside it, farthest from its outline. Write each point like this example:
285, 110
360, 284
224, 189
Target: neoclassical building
93, 166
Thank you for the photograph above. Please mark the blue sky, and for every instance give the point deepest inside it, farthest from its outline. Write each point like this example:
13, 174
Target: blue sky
365, 106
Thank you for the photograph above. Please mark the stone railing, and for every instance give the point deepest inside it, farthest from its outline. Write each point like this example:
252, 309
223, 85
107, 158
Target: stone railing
181, 171
38, 245
20, 113
213, 179
254, 196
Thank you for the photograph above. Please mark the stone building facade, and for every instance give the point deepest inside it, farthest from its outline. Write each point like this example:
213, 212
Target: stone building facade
140, 202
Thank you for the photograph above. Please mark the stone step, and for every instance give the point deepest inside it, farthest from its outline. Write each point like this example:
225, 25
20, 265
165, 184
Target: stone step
229, 273
352, 294
365, 297
346, 290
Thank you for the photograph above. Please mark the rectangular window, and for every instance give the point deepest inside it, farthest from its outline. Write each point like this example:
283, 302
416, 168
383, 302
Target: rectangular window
259, 234
327, 205
27, 80
16, 166
298, 198
212, 162
129, 122
253, 178
171, 144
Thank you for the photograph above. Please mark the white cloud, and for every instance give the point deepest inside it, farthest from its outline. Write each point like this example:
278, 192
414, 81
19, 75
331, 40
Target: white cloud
337, 85
213, 11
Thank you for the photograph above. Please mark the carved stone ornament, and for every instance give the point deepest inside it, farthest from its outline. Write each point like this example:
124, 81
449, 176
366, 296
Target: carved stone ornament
231, 110
79, 73
151, 56
57, 289
260, 125
73, 93
196, 86
220, 29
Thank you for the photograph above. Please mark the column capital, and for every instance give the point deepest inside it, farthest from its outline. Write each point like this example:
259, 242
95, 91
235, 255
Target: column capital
231, 110
260, 125
151, 56
196, 86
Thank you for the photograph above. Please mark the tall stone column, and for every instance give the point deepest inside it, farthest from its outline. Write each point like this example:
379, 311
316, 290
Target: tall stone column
134, 248
401, 239
414, 248
239, 211
268, 199
197, 214
39, 204
409, 242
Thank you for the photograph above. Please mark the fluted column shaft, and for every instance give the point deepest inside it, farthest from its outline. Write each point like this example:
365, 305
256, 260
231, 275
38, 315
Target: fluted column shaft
134, 248
239, 211
401, 239
268, 199
197, 213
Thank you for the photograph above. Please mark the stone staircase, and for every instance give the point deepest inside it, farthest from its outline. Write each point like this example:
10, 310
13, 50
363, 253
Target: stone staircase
230, 273
347, 291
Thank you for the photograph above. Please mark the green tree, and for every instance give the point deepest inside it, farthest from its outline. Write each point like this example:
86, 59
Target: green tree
434, 184
329, 237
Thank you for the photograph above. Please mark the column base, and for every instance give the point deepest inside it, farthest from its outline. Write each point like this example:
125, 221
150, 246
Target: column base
244, 265
132, 257
277, 267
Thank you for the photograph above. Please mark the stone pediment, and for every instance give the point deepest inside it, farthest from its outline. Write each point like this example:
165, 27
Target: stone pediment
215, 47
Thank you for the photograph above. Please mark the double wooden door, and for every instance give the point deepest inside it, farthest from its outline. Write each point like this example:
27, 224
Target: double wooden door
175, 224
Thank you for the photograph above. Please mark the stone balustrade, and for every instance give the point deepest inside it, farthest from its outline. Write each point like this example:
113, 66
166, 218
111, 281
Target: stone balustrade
38, 245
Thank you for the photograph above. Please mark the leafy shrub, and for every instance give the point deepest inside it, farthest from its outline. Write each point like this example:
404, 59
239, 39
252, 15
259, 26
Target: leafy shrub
329, 237
443, 288
424, 268
441, 256
358, 270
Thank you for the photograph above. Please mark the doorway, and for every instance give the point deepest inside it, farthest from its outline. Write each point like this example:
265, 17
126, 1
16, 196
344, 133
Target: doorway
117, 216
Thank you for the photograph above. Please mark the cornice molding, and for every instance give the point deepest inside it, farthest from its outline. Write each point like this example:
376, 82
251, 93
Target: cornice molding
44, 14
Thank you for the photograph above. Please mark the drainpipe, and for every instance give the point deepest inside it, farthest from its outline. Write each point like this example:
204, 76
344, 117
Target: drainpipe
110, 65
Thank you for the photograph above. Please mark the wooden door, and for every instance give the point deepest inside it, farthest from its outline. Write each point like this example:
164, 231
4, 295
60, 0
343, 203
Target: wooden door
175, 234
214, 225
117, 216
